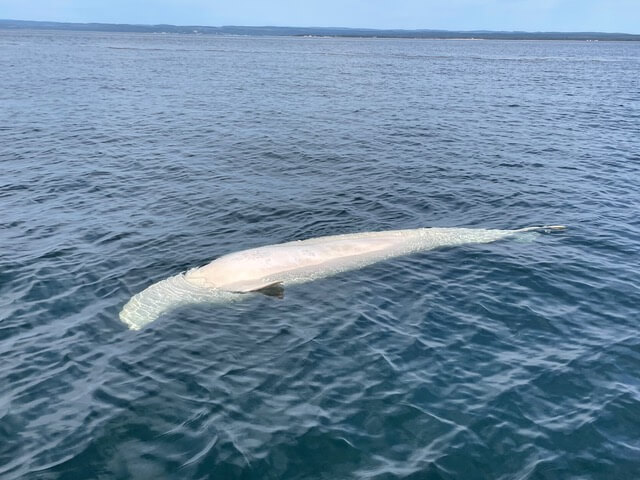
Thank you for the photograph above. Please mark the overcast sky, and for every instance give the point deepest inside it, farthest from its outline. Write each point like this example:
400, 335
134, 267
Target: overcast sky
530, 15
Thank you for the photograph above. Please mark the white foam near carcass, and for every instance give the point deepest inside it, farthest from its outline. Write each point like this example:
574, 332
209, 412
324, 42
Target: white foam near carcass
267, 269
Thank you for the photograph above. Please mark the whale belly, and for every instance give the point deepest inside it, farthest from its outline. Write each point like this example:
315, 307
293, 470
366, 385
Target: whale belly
254, 268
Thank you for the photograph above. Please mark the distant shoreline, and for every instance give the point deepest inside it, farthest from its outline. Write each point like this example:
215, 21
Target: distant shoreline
316, 31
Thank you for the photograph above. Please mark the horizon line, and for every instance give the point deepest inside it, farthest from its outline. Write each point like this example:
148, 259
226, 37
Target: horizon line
355, 29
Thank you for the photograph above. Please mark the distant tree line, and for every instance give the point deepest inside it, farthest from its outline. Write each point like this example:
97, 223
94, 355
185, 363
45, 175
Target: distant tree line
316, 31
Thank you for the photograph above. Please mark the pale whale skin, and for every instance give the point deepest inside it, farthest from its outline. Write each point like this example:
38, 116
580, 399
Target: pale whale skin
228, 277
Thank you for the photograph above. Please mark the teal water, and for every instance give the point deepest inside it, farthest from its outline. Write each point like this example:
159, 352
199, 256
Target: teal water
127, 158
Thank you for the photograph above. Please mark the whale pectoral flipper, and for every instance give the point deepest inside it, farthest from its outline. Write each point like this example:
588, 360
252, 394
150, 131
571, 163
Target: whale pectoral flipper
275, 289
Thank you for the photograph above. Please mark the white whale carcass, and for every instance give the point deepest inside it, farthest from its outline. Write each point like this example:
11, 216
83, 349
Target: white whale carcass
268, 269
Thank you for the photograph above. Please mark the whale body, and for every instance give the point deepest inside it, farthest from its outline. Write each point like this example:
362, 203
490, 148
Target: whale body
268, 269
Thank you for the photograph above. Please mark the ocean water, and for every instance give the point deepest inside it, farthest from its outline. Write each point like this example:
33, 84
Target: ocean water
127, 158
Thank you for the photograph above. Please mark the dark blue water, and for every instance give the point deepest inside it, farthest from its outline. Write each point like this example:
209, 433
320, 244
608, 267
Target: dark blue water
125, 159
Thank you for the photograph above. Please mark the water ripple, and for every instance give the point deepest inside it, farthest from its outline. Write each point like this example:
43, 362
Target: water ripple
128, 158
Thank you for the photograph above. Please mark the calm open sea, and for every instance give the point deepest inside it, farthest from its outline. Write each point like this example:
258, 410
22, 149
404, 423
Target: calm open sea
127, 158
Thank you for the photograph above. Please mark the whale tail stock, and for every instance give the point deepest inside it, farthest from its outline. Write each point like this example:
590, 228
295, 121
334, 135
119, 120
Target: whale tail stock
542, 228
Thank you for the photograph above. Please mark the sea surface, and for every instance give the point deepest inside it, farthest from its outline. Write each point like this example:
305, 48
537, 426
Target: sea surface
128, 158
